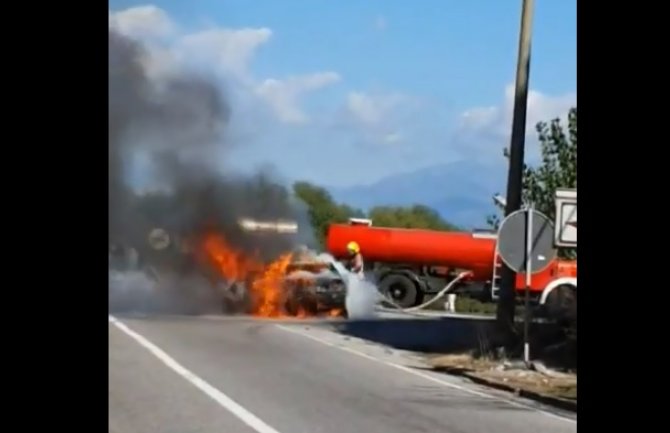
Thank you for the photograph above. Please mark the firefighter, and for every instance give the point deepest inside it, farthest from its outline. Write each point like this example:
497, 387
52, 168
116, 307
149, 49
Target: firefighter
355, 264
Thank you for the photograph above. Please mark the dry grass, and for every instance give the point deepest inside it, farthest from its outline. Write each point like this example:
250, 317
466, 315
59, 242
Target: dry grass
463, 362
556, 385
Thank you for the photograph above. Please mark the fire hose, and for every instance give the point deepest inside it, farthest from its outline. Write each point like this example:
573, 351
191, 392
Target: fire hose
434, 299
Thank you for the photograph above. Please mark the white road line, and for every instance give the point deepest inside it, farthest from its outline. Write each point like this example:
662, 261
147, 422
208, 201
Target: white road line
226, 402
422, 375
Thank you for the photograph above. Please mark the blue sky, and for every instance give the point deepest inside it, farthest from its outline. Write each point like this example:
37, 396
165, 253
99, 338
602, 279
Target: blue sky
377, 86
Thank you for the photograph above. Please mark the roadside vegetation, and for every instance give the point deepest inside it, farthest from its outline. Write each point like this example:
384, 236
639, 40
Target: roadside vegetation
548, 384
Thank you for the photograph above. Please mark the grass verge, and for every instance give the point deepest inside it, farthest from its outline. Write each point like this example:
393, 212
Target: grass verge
557, 389
468, 305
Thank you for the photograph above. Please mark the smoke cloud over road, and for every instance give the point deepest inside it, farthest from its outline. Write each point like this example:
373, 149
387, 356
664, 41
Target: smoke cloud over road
178, 123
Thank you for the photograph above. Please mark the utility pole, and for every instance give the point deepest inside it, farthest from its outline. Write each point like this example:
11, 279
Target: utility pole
506, 301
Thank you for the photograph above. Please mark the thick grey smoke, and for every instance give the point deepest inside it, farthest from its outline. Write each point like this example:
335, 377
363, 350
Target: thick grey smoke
179, 122
166, 120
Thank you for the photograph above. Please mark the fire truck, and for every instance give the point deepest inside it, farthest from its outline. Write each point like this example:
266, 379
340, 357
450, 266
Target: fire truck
411, 264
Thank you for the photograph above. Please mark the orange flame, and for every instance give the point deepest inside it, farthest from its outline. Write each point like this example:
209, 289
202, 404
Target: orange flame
232, 264
268, 288
335, 312
264, 282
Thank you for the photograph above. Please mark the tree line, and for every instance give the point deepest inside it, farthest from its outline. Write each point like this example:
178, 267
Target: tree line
323, 211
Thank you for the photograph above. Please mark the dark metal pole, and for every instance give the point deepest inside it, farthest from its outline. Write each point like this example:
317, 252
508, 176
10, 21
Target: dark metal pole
506, 302
528, 267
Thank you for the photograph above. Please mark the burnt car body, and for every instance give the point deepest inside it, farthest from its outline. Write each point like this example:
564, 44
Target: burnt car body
314, 287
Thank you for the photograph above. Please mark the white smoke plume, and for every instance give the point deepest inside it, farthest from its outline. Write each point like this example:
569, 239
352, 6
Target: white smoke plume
362, 298
362, 295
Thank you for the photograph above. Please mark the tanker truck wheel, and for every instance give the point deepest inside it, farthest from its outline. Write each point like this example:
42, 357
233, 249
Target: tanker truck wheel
400, 289
561, 305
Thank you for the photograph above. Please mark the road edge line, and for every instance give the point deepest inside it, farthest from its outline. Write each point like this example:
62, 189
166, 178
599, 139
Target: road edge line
425, 376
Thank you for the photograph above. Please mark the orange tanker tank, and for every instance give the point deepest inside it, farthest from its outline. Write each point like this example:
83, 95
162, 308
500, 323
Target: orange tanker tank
413, 246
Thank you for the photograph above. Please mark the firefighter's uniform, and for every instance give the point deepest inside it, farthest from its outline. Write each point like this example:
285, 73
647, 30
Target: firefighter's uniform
355, 264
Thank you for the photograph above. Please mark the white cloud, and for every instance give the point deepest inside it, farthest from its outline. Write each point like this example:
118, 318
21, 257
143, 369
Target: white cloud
379, 117
541, 107
481, 128
372, 109
283, 95
228, 52
142, 22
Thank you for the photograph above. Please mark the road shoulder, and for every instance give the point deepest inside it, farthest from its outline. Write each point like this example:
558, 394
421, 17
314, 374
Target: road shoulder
416, 363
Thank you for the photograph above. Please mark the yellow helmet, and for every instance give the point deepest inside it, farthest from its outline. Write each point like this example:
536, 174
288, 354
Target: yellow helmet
353, 247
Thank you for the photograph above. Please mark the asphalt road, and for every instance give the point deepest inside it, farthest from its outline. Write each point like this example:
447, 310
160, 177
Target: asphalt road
232, 375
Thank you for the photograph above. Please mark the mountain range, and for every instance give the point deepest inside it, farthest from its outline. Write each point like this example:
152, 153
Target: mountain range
461, 192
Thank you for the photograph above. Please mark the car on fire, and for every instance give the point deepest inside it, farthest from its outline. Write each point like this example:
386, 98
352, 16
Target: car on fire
314, 286
309, 284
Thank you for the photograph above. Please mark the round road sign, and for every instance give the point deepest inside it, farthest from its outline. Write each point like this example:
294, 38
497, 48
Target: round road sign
512, 241
159, 239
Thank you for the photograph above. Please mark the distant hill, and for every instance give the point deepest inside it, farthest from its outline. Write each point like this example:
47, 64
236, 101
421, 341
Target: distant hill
461, 192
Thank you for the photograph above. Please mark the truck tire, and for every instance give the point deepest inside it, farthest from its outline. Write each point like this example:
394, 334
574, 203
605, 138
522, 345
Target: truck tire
400, 289
561, 305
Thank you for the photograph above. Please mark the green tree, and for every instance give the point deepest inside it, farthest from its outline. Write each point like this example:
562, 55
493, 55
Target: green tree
417, 216
558, 169
323, 210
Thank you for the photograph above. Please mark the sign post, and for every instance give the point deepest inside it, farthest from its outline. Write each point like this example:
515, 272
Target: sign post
526, 244
529, 266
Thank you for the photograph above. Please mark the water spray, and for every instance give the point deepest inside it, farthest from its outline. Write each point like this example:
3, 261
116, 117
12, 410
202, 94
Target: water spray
363, 297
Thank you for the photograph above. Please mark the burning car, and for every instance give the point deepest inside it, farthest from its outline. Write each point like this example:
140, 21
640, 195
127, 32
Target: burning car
314, 287
294, 283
